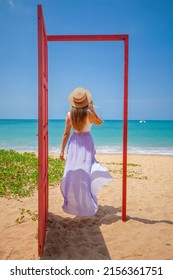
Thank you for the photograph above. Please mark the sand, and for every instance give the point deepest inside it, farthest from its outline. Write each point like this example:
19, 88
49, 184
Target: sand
147, 234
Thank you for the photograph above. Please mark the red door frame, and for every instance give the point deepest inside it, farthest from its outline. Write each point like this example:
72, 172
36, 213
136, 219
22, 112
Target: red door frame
42, 131
58, 38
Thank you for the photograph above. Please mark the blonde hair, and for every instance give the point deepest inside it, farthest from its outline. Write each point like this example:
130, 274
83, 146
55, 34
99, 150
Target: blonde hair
79, 117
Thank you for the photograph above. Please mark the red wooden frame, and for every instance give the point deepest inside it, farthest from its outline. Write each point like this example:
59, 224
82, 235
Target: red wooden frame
51, 38
42, 131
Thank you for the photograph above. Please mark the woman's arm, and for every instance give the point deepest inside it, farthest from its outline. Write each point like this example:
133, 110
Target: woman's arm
93, 117
65, 137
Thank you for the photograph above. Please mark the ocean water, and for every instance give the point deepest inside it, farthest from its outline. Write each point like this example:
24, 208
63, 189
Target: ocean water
151, 137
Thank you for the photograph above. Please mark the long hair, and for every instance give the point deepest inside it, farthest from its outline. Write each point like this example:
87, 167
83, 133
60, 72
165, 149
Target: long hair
79, 117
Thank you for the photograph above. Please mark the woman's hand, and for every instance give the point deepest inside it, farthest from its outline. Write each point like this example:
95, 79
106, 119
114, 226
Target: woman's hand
62, 156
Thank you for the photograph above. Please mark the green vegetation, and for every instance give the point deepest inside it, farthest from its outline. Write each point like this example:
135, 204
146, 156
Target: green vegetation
120, 163
56, 169
24, 214
19, 173
130, 173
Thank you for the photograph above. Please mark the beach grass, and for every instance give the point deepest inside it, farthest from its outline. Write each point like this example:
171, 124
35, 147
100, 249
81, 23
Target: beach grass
19, 173
131, 170
26, 214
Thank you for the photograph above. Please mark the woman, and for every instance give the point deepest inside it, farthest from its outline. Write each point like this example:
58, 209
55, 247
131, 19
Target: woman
83, 175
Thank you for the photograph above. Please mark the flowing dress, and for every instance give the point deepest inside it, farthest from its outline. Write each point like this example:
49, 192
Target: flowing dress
83, 175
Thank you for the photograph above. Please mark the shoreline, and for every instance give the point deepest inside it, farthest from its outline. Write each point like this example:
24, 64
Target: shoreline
56, 154
100, 153
118, 155
146, 235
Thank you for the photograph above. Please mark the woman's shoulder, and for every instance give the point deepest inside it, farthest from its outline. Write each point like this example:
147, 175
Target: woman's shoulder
68, 121
67, 118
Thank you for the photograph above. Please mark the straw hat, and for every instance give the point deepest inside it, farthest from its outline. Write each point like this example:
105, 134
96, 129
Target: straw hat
80, 97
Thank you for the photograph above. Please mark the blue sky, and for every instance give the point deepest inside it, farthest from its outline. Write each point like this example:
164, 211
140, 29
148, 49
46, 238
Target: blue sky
97, 66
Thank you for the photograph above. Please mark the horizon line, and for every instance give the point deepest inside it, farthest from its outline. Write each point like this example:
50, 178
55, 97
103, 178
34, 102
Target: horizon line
103, 119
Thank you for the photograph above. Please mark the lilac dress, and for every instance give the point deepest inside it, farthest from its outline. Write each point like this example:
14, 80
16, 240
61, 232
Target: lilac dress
83, 175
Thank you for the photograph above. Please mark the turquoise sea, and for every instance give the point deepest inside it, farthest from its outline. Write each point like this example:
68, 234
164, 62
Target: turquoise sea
151, 137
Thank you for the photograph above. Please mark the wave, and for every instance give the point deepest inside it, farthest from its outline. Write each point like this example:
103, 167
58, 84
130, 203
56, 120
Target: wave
99, 149
136, 150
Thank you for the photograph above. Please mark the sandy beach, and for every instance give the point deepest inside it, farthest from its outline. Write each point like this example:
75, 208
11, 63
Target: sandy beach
147, 234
